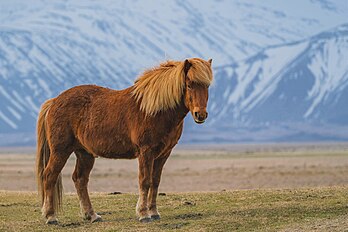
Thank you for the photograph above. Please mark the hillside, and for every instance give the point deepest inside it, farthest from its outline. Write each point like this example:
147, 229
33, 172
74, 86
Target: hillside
266, 56
296, 91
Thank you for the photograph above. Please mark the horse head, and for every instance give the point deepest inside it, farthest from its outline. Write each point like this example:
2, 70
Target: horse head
196, 93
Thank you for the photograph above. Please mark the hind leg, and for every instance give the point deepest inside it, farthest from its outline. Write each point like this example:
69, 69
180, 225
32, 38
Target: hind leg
50, 176
83, 167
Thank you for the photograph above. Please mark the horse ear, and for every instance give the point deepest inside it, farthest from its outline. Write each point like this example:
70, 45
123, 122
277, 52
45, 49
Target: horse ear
187, 66
210, 61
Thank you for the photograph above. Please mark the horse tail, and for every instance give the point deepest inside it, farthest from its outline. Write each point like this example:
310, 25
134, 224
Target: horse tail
42, 157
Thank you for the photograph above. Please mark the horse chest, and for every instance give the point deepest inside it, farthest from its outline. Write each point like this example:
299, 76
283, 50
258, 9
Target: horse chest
161, 140
157, 134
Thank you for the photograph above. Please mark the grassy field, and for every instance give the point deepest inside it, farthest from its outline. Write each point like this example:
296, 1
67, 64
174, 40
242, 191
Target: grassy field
303, 209
287, 187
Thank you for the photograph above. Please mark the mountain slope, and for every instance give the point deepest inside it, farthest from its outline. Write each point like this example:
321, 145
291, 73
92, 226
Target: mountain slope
297, 88
47, 47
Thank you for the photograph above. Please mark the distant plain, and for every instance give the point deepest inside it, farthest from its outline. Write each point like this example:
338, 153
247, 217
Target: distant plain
200, 168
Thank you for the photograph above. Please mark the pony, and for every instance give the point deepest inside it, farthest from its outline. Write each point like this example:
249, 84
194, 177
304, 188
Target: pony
143, 121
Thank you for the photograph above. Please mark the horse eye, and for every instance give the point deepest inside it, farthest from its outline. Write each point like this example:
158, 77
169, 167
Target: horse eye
189, 86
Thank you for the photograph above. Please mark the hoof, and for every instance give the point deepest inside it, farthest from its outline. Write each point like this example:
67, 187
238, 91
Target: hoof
145, 219
155, 217
52, 221
87, 217
96, 218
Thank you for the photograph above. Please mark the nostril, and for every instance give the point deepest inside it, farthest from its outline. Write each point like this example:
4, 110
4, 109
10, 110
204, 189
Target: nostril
206, 114
196, 114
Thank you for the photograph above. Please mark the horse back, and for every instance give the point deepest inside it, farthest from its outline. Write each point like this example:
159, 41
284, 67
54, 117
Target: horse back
95, 118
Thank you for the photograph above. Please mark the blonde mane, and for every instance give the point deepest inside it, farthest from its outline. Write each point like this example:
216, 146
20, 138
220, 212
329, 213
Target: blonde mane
162, 87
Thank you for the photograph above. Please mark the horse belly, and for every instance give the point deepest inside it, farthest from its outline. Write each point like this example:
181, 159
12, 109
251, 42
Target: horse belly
130, 154
113, 147
117, 150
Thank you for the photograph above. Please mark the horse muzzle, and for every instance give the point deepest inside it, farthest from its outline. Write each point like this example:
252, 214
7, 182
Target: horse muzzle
200, 116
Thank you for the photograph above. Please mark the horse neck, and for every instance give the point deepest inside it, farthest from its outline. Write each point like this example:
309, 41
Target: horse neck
172, 117
178, 113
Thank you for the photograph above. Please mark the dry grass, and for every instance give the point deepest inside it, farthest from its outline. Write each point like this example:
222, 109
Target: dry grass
291, 177
317, 209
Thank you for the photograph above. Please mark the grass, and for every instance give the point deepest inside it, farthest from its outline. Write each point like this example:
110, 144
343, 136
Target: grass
323, 209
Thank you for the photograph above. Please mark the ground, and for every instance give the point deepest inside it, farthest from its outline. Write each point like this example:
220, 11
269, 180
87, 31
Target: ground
314, 209
289, 187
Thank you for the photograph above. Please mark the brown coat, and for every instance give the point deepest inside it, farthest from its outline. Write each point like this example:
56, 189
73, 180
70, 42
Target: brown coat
144, 121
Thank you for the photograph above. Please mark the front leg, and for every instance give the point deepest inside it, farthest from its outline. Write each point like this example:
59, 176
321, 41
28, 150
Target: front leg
146, 160
156, 178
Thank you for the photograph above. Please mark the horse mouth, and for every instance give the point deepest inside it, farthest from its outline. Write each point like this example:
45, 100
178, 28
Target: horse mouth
199, 122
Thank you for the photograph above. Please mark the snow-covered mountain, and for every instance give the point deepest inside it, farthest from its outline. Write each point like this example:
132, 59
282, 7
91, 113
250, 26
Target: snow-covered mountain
274, 79
287, 92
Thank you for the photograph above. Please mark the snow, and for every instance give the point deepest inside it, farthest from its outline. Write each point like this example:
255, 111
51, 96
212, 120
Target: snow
10, 99
229, 71
263, 75
4, 92
31, 103
210, 29
7, 120
329, 67
45, 87
47, 47
14, 113
18, 102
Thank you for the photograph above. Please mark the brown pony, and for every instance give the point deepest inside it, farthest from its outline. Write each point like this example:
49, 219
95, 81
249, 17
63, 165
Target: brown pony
144, 121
